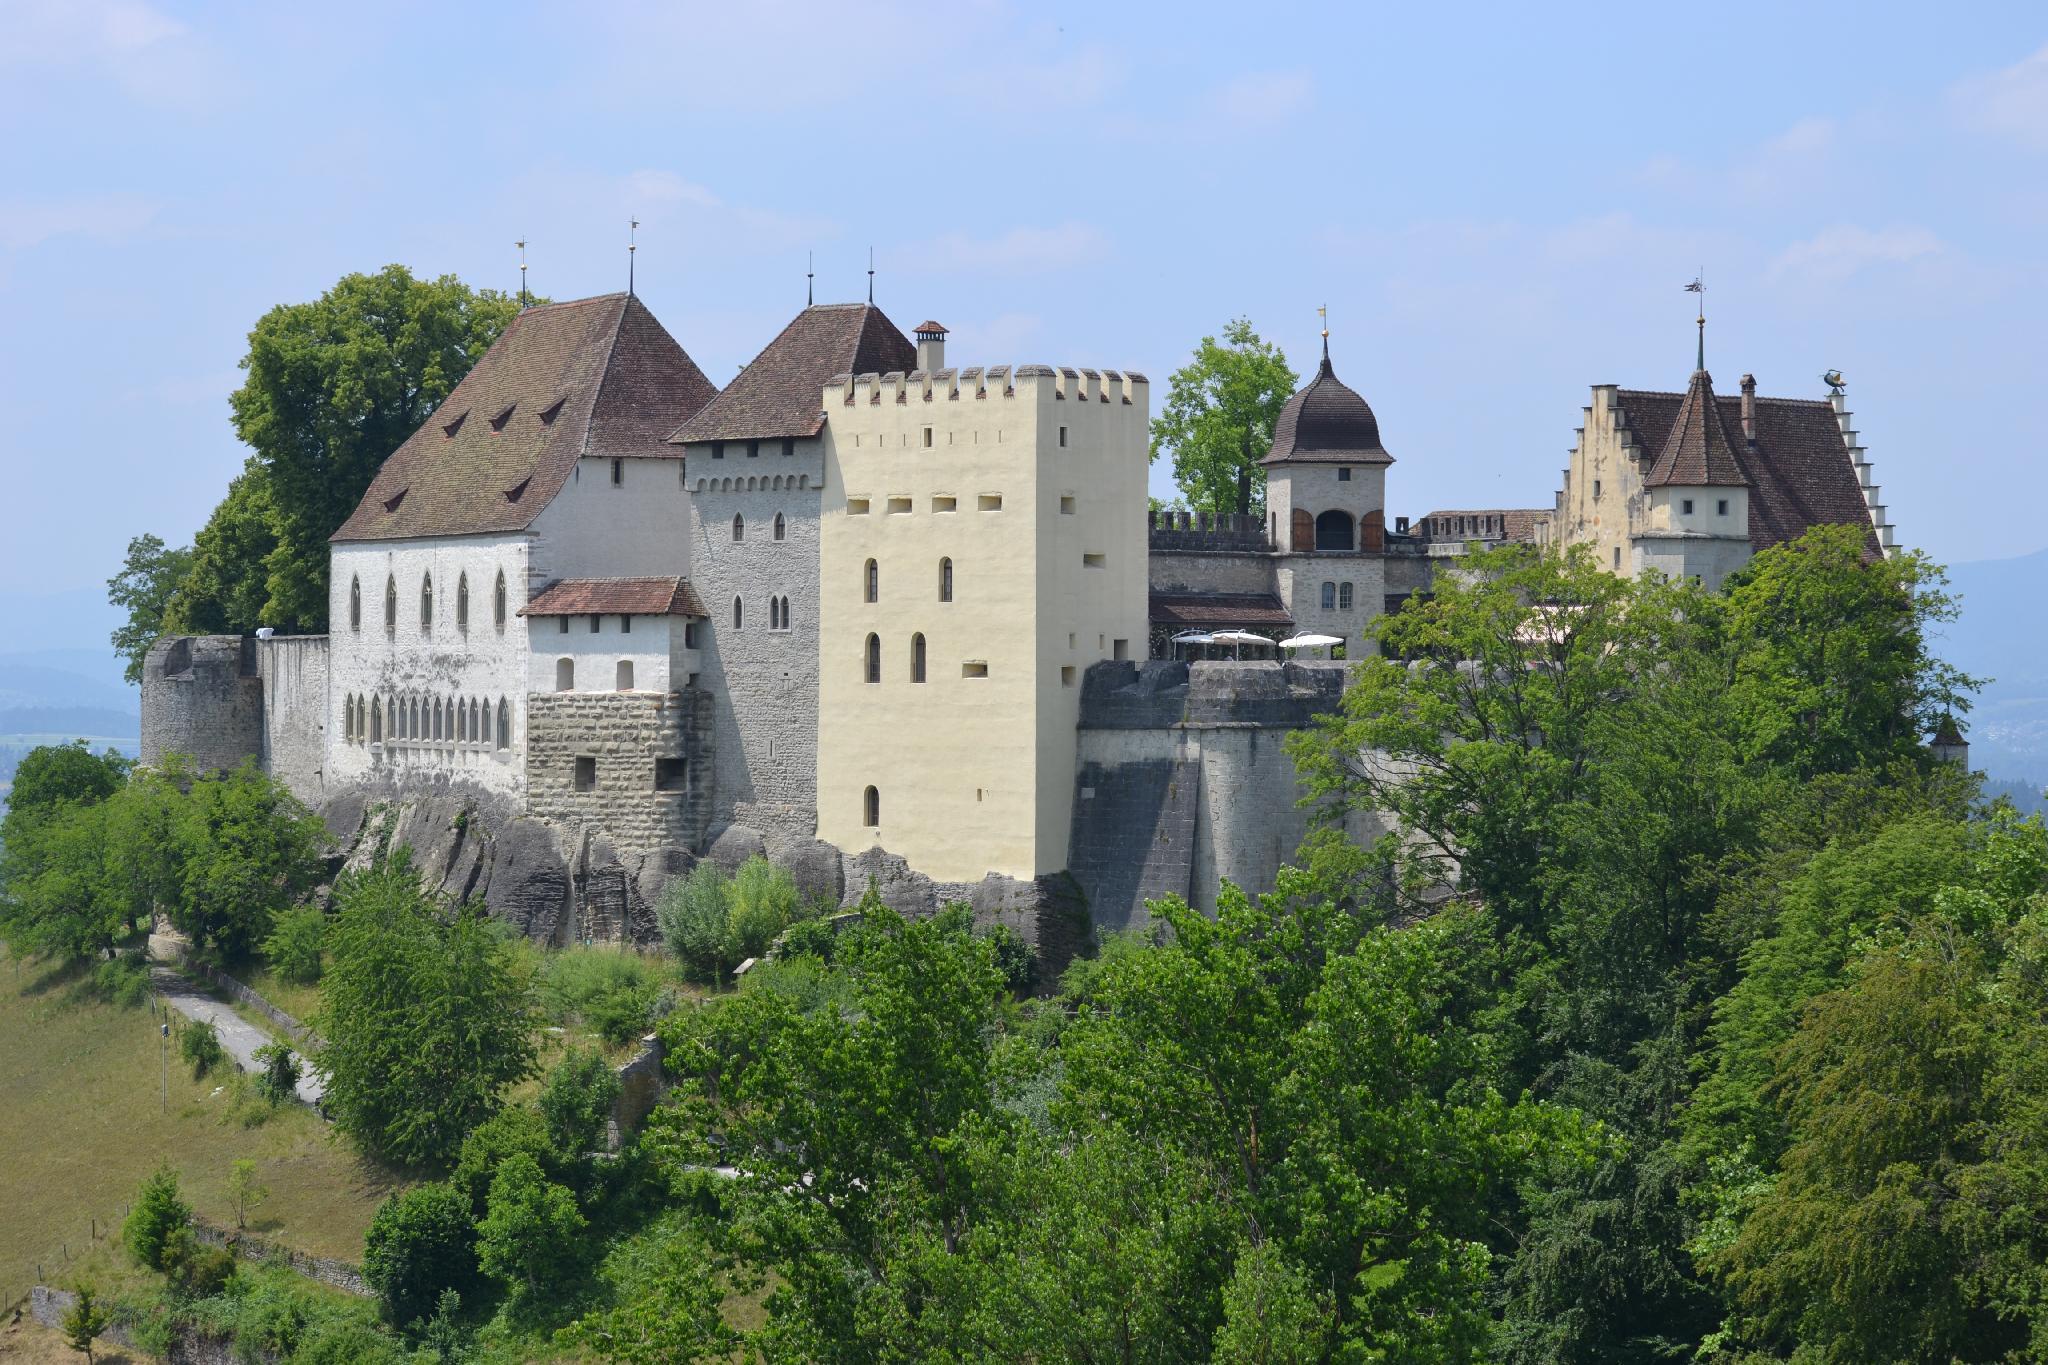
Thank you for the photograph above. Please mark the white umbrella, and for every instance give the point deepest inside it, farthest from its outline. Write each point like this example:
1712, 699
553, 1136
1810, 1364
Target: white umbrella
1192, 637
1239, 638
1310, 641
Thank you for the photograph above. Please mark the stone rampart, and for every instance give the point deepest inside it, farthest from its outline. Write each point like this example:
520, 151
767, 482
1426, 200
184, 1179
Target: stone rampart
632, 764
293, 672
202, 697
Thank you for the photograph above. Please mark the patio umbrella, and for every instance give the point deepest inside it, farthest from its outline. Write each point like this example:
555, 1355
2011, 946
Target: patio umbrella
1239, 638
1310, 641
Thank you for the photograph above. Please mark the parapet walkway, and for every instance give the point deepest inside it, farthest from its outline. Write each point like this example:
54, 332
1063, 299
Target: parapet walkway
238, 1037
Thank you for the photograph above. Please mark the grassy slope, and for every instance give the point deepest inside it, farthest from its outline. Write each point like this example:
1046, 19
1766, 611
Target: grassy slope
81, 1122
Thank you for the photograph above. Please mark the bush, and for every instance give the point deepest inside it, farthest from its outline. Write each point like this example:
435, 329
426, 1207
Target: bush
809, 938
421, 1242
1015, 959
279, 1077
506, 1134
691, 916
576, 1104
199, 1045
194, 1270
761, 903
123, 981
160, 1213
294, 946
530, 1230
622, 1015
85, 1320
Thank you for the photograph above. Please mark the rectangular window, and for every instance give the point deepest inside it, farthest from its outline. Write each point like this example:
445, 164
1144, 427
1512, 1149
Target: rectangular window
974, 668
788, 445
1066, 504
1094, 561
945, 502
595, 622
1119, 649
1344, 596
625, 625
671, 774
1596, 488
1066, 675
1721, 507
689, 635
856, 507
1063, 438
927, 438
1343, 474
565, 625
753, 450
586, 772
718, 450
898, 506
990, 502
1685, 506
618, 472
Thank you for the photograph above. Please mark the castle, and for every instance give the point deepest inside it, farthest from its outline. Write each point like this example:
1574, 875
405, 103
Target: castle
888, 620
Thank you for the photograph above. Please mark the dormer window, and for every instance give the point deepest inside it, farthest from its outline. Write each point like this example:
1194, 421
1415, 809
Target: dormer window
518, 490
552, 411
498, 422
454, 424
391, 503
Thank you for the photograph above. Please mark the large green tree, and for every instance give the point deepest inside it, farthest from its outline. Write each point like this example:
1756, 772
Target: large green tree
1217, 422
332, 387
149, 577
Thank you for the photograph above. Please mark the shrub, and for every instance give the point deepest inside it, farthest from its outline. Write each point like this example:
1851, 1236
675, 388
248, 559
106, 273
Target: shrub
530, 1229
576, 1104
622, 1015
194, 1270
761, 903
1015, 959
691, 916
85, 1320
279, 1077
160, 1212
294, 946
809, 938
199, 1044
421, 1242
123, 981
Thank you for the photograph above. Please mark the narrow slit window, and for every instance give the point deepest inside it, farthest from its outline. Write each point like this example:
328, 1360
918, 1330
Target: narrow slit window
945, 580
873, 669
917, 658
974, 668
990, 502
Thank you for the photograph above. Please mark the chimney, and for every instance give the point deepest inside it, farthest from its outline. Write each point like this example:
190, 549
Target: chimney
1749, 408
931, 347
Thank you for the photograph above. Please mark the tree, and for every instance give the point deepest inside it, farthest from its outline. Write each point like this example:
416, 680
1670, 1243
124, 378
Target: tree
529, 1229
332, 388
278, 1073
421, 1244
245, 1189
52, 776
692, 919
159, 1214
255, 850
427, 1013
199, 1045
149, 576
294, 946
1219, 416
85, 1320
576, 1104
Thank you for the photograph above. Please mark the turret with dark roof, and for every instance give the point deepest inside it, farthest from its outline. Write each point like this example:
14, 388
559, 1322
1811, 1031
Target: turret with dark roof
1327, 423
1698, 452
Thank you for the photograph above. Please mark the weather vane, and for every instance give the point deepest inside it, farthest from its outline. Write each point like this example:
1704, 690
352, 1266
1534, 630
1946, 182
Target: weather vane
871, 274
632, 246
1833, 379
810, 278
521, 244
1699, 286
1324, 313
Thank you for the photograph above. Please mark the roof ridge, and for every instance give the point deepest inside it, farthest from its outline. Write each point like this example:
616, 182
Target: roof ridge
604, 374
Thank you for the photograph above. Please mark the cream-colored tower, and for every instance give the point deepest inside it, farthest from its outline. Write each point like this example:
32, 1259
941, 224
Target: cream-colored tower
981, 543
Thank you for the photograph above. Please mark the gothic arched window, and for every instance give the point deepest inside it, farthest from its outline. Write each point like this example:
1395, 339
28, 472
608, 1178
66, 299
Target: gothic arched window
462, 602
390, 604
945, 580
426, 602
917, 658
355, 603
871, 808
504, 724
874, 659
498, 602
778, 526
739, 526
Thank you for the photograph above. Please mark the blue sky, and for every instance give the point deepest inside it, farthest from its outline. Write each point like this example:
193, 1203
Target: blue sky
1499, 205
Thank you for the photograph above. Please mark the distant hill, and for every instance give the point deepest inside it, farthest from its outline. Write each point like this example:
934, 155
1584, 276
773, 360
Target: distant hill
2001, 636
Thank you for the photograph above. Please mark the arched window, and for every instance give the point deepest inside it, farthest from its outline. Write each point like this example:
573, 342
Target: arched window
625, 679
479, 724
498, 602
779, 528
565, 675
917, 658
739, 527
1329, 597
1333, 531
426, 602
739, 614
377, 720
945, 580
504, 724
348, 719
785, 613
874, 660
390, 604
462, 602
873, 582
355, 603
871, 808
1344, 596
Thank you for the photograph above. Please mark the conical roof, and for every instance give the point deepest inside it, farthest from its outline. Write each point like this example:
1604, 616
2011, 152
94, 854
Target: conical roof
1698, 452
1327, 423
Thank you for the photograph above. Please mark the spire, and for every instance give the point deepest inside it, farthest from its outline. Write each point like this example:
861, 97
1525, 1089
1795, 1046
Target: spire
810, 279
1699, 286
632, 246
1324, 313
1698, 453
521, 244
871, 274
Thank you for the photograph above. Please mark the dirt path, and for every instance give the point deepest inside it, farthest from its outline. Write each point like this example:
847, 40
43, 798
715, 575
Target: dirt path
238, 1036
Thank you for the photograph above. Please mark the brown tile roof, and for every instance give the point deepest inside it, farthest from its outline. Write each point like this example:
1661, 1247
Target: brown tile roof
1327, 423
616, 597
780, 392
1698, 452
1799, 469
597, 377
1218, 609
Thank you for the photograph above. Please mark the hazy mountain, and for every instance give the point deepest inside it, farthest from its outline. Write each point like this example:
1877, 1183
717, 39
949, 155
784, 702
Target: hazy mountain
2003, 635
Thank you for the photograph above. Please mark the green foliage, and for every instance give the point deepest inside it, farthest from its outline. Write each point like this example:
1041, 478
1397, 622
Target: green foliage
530, 1227
85, 1320
55, 776
123, 981
295, 944
277, 1073
199, 1045
761, 902
665, 1304
504, 1135
193, 1270
712, 922
576, 1104
611, 989
428, 1016
333, 387
1217, 421
421, 1244
245, 1189
159, 1214
55, 853
255, 850
1015, 959
143, 588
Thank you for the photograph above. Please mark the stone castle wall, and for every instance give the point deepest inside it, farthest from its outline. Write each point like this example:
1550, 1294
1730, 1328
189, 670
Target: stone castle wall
622, 740
202, 697
293, 671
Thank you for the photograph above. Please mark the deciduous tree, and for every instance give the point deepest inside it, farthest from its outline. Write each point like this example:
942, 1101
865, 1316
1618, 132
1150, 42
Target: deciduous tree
1217, 422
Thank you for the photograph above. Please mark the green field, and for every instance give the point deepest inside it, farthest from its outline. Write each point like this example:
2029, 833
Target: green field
83, 1119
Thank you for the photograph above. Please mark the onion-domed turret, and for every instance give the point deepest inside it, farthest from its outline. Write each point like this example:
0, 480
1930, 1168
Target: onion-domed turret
1327, 423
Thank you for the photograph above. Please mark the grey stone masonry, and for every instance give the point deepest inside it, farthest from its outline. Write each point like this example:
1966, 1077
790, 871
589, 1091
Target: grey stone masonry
201, 697
608, 760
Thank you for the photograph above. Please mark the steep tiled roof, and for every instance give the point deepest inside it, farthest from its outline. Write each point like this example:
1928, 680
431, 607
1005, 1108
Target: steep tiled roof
1698, 452
597, 377
1218, 609
780, 392
1327, 423
616, 597
1799, 469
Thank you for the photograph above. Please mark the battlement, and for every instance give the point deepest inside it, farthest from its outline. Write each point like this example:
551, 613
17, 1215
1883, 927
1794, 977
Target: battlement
1164, 693
1228, 532
971, 382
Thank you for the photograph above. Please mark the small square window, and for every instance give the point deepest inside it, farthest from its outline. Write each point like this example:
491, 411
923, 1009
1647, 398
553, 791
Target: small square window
974, 668
671, 774
1066, 504
898, 506
945, 502
990, 502
718, 450
789, 445
586, 772
1721, 507
1119, 649
1094, 561
1685, 506
1343, 474
1066, 675
753, 450
1063, 438
856, 507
